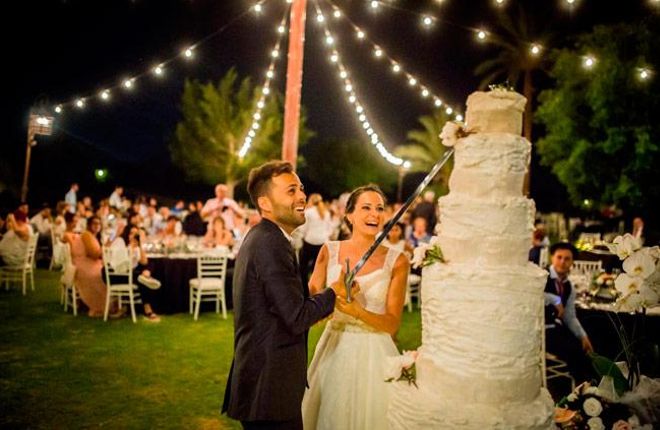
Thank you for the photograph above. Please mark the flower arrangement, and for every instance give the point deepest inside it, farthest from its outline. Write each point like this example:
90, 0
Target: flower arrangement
402, 368
451, 132
602, 286
593, 408
639, 285
505, 86
427, 253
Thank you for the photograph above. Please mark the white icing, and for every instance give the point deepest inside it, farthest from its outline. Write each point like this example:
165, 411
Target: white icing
495, 111
482, 311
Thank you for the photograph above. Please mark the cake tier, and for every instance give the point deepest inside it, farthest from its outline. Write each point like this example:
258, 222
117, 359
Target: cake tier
497, 111
490, 165
481, 331
428, 408
483, 231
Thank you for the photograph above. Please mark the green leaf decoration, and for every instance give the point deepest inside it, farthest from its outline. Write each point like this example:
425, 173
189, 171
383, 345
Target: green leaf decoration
606, 367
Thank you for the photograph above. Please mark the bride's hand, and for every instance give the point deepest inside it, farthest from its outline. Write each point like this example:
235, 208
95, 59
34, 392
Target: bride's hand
340, 287
354, 308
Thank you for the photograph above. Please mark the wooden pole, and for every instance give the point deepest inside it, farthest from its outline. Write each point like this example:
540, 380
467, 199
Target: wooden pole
26, 173
294, 82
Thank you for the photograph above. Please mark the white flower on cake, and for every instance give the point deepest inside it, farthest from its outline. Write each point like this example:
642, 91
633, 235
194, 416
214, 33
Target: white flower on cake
639, 286
401, 367
592, 407
595, 423
427, 253
451, 132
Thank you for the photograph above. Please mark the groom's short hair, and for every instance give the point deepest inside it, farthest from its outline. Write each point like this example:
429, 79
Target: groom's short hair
260, 178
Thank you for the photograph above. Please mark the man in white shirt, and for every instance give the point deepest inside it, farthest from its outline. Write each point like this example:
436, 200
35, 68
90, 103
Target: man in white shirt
115, 200
222, 206
43, 222
565, 336
71, 197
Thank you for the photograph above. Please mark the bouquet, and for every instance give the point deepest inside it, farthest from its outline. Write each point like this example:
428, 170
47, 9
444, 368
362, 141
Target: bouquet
593, 408
402, 368
427, 254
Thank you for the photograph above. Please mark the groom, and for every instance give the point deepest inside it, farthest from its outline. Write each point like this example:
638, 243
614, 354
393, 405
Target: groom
272, 308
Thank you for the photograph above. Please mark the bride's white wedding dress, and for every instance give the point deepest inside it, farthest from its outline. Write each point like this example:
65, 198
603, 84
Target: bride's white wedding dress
347, 388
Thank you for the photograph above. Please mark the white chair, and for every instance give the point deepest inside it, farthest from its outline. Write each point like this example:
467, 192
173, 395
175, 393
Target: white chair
127, 290
209, 286
412, 290
57, 250
544, 257
69, 293
20, 273
588, 268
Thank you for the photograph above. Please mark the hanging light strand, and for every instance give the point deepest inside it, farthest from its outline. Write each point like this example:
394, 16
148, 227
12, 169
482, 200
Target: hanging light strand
356, 105
257, 115
412, 81
158, 70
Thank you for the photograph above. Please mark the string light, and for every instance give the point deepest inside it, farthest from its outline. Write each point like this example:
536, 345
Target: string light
158, 70
258, 8
280, 29
379, 53
644, 73
58, 109
499, 2
374, 4
188, 53
589, 62
337, 13
80, 103
535, 49
481, 35
359, 108
128, 83
105, 95
265, 91
427, 21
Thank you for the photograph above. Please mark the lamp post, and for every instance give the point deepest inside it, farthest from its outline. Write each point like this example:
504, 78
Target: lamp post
38, 125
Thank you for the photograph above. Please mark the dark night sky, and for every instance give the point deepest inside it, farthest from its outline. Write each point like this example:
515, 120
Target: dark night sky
63, 49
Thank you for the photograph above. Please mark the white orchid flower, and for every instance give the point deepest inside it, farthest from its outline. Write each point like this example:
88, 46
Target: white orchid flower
639, 264
624, 245
450, 133
419, 254
627, 284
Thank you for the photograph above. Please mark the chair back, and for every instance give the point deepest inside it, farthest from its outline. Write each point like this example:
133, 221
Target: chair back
587, 268
115, 267
31, 250
68, 269
544, 257
212, 266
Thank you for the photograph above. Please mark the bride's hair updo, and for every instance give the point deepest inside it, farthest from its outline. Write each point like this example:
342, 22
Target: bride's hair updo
353, 198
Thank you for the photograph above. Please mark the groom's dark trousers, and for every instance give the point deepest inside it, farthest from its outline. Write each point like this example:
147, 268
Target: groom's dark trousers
272, 314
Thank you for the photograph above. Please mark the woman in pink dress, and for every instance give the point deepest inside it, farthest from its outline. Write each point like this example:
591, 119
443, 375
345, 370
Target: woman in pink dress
86, 256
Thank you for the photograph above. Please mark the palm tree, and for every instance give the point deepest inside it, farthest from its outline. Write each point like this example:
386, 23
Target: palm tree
216, 120
514, 62
424, 147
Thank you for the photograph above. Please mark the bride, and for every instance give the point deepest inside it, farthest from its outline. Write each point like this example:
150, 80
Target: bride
347, 388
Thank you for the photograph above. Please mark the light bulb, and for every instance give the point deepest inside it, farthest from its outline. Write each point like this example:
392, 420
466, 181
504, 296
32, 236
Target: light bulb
374, 4
58, 109
360, 34
258, 8
427, 21
412, 81
320, 18
158, 70
449, 110
281, 29
437, 102
535, 49
337, 13
329, 40
396, 68
80, 103
378, 52
481, 35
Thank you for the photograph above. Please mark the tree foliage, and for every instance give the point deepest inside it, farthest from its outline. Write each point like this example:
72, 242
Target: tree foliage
342, 164
603, 133
216, 119
424, 148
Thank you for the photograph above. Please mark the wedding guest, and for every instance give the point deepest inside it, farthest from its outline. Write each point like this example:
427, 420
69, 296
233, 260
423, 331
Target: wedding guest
59, 224
135, 256
89, 207
221, 205
638, 229
152, 220
193, 224
179, 209
427, 209
13, 244
71, 197
43, 222
115, 200
315, 232
419, 233
565, 336
86, 255
218, 235
537, 245
395, 239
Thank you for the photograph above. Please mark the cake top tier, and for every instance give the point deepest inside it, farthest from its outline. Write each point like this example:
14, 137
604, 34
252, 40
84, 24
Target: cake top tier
495, 111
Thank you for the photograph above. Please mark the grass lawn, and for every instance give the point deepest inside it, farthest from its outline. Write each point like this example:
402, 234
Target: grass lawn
60, 371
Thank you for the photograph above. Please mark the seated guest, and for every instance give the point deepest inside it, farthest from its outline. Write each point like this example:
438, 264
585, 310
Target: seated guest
179, 209
135, 256
152, 220
395, 239
43, 221
172, 227
86, 255
218, 235
565, 336
193, 224
13, 245
419, 233
537, 245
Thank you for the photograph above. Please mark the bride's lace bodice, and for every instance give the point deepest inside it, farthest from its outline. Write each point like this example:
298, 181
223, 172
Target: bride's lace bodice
373, 285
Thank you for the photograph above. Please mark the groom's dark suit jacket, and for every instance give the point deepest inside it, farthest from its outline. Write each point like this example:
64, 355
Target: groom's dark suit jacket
272, 313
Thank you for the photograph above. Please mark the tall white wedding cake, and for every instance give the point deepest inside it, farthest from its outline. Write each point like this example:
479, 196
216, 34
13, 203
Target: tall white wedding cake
479, 364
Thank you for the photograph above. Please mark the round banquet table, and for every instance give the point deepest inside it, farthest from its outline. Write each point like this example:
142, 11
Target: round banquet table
610, 261
174, 271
